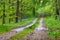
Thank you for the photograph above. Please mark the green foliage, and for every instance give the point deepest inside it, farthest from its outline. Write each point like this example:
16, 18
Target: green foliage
25, 7
46, 7
54, 33
54, 27
51, 22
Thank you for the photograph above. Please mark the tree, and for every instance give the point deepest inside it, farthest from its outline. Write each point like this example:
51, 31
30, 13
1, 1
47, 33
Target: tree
34, 9
57, 7
17, 11
3, 17
9, 9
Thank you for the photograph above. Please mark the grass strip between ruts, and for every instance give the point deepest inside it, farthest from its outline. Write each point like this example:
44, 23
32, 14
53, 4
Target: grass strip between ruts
25, 32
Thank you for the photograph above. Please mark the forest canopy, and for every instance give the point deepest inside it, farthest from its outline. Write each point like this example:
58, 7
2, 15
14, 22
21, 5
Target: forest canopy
20, 9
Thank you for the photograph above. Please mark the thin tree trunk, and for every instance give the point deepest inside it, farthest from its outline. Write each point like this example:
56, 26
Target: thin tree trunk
21, 17
9, 9
59, 14
34, 2
17, 11
3, 17
34, 11
21, 11
56, 9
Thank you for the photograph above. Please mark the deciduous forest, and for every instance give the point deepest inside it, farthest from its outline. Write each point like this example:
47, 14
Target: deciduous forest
29, 19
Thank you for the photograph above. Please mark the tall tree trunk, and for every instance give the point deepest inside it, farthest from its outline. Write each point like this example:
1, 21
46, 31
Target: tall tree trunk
9, 14
17, 11
34, 2
3, 17
21, 14
33, 11
57, 12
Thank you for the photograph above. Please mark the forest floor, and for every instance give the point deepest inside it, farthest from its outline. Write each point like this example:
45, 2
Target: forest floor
13, 32
40, 33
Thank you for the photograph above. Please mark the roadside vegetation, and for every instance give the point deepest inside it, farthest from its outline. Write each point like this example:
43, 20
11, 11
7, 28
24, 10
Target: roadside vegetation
54, 27
8, 27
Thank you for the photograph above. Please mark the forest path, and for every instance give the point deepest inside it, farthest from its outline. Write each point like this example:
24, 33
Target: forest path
13, 32
40, 33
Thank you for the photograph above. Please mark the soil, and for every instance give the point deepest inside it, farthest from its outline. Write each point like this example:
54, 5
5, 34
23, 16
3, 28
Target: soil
36, 35
13, 32
40, 33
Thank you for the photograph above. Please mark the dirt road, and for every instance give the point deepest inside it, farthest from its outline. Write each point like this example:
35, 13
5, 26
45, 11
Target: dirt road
13, 32
40, 33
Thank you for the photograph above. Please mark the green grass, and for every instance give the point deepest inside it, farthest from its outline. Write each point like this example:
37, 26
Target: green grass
52, 23
54, 26
25, 32
8, 27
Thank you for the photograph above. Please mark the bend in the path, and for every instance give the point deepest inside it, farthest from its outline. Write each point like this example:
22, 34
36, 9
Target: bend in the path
21, 29
15, 31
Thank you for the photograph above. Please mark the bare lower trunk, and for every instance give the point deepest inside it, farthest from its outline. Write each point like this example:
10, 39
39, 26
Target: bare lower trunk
3, 17
17, 11
21, 17
33, 11
59, 14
